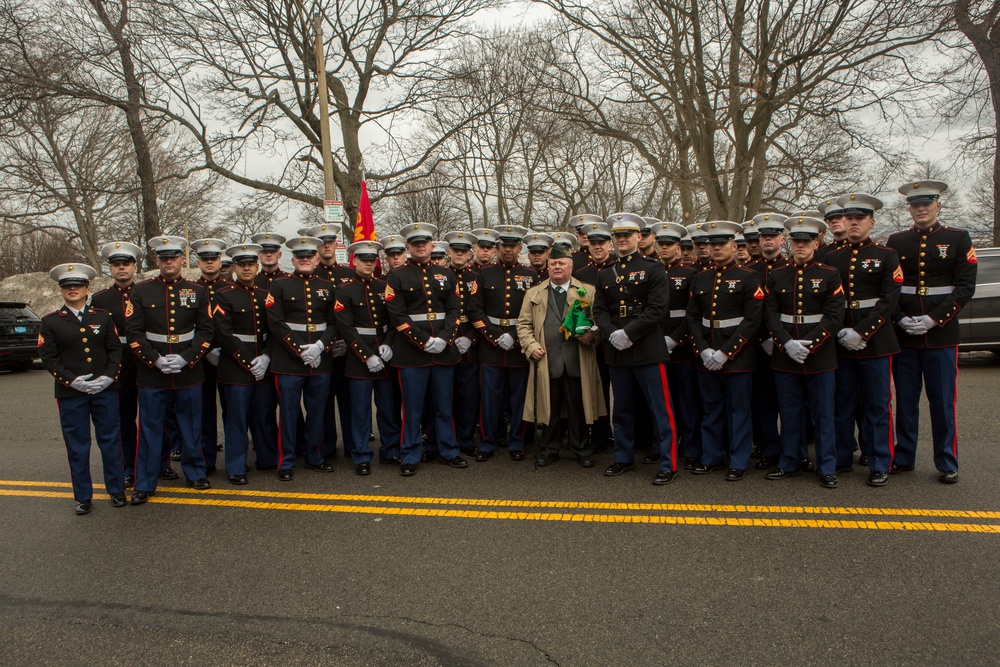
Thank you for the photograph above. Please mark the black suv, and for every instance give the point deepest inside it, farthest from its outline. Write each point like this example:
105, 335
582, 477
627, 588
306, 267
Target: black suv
979, 321
18, 336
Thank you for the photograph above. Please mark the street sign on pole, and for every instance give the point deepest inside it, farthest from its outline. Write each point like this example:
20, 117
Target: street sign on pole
334, 211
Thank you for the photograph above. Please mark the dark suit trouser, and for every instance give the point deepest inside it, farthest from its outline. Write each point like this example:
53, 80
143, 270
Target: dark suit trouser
492, 382
128, 409
340, 393
765, 407
683, 380
466, 403
75, 416
568, 391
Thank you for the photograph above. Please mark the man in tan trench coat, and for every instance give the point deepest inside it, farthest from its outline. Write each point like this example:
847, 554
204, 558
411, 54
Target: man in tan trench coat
563, 375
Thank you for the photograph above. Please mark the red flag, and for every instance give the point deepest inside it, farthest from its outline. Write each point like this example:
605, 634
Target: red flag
364, 227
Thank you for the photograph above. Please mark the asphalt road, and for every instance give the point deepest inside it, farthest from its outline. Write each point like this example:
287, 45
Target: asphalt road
501, 564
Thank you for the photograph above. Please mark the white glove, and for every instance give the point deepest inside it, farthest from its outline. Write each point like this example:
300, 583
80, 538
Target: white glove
463, 344
258, 367
921, 325
796, 351
339, 348
385, 352
81, 384
909, 325
374, 363
619, 340
708, 359
212, 356
506, 342
176, 362
102, 383
851, 339
311, 353
671, 344
768, 346
315, 362
436, 345
167, 364
719, 359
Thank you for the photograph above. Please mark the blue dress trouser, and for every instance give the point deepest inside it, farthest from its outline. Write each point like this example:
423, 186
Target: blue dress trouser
128, 411
766, 435
466, 408
75, 416
492, 404
416, 383
338, 404
154, 406
247, 408
386, 416
724, 400
682, 378
864, 393
651, 382
937, 368
817, 391
310, 391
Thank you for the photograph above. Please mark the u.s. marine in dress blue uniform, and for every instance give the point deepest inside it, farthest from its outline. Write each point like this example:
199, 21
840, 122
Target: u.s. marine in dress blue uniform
630, 304
300, 317
805, 307
467, 390
169, 328
939, 277
79, 346
363, 323
210, 254
424, 308
724, 316
871, 278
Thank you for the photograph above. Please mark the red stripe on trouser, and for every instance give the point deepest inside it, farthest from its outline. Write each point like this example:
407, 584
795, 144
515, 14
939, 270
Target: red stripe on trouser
892, 433
954, 410
277, 391
670, 414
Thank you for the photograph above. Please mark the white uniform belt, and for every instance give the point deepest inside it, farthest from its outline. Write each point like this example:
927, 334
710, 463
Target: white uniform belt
307, 327
249, 338
927, 291
801, 319
677, 313
502, 323
861, 303
427, 317
721, 324
172, 338
368, 331
123, 339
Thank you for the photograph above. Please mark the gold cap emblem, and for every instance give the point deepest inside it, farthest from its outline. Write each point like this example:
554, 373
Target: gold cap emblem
853, 197
69, 268
713, 225
916, 185
166, 241
118, 245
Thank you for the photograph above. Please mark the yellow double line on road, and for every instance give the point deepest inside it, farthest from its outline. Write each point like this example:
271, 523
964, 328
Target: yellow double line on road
869, 518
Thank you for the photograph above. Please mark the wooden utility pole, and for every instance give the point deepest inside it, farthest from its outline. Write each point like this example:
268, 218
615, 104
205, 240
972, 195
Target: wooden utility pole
324, 109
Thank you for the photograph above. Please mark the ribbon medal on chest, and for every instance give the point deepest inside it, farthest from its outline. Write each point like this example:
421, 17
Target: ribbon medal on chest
188, 297
943, 251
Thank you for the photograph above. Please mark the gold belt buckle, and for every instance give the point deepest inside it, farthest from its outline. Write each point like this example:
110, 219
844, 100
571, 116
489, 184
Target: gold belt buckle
800, 319
505, 323
855, 305
622, 311
431, 317
173, 338
716, 324
922, 291
311, 328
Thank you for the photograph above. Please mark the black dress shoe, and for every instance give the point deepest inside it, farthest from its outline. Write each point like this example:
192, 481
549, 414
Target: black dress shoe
482, 456
863, 460
320, 467
201, 484
139, 497
546, 459
407, 470
586, 461
705, 469
616, 469
285, 475
765, 463
828, 481
394, 461
690, 463
948, 477
169, 473
427, 457
843, 469
650, 459
782, 474
469, 450
455, 462
734, 474
516, 454
175, 454
898, 468
664, 477
806, 465
877, 478
118, 500
238, 480
129, 481
83, 508
363, 469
